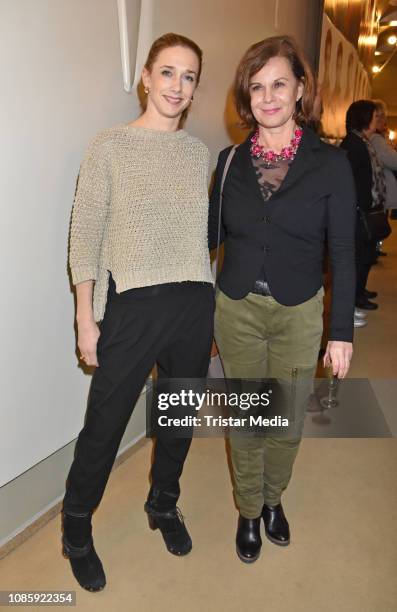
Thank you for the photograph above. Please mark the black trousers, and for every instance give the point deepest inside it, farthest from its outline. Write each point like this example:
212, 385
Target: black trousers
171, 325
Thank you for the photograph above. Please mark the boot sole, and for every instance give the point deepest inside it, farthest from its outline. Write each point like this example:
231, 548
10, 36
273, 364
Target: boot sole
247, 559
278, 542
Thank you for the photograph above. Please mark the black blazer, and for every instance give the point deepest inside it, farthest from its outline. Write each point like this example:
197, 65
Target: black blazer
360, 162
287, 233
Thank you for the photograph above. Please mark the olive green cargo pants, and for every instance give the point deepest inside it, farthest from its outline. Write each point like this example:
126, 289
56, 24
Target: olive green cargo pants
258, 337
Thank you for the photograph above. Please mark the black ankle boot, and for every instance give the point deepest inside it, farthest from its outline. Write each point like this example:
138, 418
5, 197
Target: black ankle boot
170, 522
248, 539
78, 547
276, 525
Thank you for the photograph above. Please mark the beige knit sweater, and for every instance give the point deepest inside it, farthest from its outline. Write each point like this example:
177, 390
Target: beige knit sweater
140, 211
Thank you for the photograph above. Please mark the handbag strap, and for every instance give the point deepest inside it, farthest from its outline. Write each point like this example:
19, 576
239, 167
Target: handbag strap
225, 171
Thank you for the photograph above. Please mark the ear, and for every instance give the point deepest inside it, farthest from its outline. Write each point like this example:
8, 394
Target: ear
146, 78
301, 87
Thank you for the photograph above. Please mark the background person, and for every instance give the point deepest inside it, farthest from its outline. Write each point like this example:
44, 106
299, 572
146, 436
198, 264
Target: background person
386, 154
361, 121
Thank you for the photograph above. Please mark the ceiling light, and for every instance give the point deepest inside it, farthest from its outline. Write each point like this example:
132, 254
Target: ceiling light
392, 40
392, 134
378, 53
375, 68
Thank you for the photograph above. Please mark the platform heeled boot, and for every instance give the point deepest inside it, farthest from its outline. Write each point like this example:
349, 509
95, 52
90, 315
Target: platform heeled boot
78, 547
163, 514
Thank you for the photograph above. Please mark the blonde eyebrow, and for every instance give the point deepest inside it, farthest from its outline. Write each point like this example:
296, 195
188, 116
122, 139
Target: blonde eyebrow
173, 68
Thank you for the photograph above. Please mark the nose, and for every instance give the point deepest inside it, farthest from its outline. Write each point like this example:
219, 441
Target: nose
267, 95
176, 84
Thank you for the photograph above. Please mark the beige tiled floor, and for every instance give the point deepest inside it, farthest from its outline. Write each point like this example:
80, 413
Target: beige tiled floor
341, 505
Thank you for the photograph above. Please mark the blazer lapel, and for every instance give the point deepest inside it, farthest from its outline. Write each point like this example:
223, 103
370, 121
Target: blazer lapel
304, 161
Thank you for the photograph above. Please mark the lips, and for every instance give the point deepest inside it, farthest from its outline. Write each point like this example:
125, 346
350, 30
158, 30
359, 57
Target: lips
173, 100
270, 111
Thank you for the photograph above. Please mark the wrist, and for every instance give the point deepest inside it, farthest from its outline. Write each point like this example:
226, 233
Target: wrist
84, 318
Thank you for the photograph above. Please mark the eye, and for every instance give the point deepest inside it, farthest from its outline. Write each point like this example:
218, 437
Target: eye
255, 87
190, 78
278, 84
166, 72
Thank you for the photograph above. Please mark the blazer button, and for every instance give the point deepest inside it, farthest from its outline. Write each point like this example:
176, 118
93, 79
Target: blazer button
266, 249
266, 219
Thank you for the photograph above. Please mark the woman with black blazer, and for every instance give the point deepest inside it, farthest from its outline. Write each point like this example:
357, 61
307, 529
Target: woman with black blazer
284, 193
361, 123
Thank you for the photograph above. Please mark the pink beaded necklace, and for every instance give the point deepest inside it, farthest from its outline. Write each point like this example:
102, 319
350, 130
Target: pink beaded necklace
287, 153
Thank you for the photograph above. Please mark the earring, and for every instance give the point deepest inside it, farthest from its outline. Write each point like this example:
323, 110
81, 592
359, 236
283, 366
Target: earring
146, 90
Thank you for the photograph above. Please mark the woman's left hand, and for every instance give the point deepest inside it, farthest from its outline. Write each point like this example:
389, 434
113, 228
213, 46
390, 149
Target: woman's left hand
338, 355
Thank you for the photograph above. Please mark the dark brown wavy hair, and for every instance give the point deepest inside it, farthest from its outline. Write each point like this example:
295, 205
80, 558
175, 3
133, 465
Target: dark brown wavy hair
255, 58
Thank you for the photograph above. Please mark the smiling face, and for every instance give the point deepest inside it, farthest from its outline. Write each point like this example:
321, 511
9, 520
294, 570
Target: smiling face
274, 91
171, 81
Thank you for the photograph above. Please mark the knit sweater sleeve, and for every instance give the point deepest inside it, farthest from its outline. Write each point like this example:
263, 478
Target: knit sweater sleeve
90, 212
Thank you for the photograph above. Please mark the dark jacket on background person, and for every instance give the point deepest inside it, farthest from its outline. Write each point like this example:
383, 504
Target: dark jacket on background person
287, 232
360, 161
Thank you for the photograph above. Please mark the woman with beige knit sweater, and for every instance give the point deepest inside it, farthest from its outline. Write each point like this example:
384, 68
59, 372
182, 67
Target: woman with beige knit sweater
140, 264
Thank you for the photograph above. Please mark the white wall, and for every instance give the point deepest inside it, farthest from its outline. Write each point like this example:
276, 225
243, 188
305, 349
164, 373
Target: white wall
61, 82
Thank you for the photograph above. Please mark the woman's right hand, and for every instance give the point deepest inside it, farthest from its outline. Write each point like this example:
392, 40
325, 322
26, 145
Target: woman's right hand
87, 340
